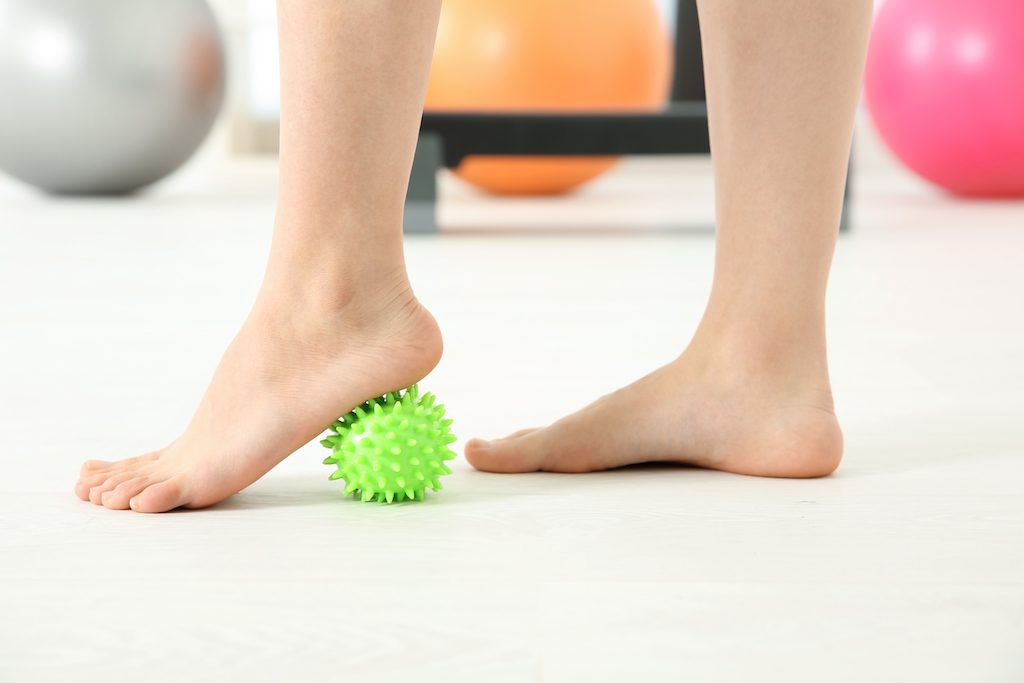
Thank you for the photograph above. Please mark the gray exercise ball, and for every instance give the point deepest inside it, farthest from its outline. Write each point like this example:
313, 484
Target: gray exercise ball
105, 96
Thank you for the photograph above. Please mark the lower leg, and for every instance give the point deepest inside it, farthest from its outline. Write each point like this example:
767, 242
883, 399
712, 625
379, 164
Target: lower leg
353, 80
782, 83
335, 321
751, 392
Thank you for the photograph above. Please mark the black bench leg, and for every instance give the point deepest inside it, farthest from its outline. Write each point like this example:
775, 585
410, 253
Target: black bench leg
421, 200
844, 217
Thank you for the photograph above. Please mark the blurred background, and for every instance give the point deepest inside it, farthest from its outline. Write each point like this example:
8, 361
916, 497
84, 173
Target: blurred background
918, 133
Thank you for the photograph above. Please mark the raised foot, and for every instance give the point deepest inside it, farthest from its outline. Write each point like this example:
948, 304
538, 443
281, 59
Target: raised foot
282, 381
688, 413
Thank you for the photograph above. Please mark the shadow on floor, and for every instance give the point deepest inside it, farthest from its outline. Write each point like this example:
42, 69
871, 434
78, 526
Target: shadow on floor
467, 486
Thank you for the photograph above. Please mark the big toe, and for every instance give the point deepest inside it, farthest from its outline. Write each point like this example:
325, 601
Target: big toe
519, 452
159, 497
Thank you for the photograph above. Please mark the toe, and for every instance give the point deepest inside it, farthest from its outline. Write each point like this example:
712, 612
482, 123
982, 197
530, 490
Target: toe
99, 476
139, 461
160, 497
87, 482
96, 492
92, 466
117, 498
519, 452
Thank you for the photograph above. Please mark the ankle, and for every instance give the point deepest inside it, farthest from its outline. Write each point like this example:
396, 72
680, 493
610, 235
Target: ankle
326, 287
758, 351
332, 276
319, 300
336, 258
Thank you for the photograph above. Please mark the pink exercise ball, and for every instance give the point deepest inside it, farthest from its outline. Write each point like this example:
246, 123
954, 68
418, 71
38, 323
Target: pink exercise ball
945, 87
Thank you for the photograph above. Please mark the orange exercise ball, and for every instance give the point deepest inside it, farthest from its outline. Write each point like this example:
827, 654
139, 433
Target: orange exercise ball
539, 55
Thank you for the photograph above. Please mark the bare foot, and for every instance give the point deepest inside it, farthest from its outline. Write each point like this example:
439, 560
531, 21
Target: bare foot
293, 368
697, 411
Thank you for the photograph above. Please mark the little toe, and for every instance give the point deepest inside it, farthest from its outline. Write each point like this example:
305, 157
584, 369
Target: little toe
117, 498
159, 497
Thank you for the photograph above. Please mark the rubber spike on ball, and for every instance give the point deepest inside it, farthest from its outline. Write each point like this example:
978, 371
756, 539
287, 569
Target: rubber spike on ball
406, 453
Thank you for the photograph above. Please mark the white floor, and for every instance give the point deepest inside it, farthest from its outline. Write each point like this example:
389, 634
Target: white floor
907, 565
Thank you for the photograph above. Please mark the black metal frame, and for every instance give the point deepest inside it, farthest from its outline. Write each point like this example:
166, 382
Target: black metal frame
446, 138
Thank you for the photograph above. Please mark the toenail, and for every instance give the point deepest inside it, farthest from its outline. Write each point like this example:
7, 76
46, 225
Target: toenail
131, 503
479, 443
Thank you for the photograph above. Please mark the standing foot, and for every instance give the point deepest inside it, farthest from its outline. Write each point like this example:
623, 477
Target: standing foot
699, 411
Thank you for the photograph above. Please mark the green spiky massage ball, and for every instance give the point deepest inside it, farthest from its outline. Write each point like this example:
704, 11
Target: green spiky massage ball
392, 447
